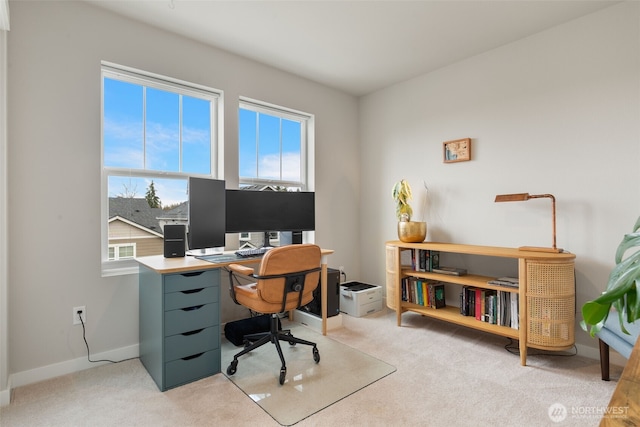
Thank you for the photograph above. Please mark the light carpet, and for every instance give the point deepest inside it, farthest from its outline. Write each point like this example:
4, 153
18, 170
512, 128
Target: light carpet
447, 375
309, 387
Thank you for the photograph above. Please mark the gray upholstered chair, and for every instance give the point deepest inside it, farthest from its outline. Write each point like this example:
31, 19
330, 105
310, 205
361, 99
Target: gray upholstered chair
611, 336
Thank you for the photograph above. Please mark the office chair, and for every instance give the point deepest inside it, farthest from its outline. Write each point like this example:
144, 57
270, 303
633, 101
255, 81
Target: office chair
286, 279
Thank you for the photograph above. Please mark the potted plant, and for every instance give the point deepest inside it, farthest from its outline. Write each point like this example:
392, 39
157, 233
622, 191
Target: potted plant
408, 231
622, 289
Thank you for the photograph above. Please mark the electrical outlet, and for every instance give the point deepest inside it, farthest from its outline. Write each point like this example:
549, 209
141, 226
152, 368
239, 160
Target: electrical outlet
76, 316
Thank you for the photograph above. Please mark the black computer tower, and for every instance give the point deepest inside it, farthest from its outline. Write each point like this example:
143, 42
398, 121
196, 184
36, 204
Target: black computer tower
333, 296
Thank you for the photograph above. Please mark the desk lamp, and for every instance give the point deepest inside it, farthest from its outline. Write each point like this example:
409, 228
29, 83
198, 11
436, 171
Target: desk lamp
520, 197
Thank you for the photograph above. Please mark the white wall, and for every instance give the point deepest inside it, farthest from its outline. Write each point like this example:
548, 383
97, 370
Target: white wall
55, 49
4, 292
558, 112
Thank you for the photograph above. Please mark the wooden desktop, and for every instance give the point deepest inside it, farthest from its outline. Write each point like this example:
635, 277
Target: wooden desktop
624, 407
179, 301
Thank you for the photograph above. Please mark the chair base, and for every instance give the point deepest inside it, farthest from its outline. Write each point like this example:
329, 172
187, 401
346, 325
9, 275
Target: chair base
275, 335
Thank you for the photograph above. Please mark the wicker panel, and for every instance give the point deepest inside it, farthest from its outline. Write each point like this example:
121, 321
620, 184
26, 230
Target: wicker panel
393, 276
550, 279
550, 304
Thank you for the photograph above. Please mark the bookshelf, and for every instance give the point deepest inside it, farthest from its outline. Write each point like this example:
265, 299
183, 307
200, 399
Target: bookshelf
546, 292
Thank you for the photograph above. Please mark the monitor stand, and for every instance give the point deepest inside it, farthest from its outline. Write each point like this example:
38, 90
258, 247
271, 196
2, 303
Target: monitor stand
204, 252
266, 241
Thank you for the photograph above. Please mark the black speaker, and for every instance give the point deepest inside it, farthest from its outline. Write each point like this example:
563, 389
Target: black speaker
174, 240
333, 296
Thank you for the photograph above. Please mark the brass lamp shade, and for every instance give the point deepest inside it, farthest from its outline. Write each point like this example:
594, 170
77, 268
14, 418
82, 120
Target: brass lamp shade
520, 197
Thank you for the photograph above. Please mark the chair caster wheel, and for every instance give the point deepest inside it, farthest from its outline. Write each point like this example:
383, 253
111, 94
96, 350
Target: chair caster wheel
283, 374
292, 343
232, 367
316, 355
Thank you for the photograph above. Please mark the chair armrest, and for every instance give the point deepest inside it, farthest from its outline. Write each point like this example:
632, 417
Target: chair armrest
241, 269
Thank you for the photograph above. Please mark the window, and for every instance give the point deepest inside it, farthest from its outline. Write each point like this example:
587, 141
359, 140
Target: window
126, 251
156, 132
275, 146
274, 143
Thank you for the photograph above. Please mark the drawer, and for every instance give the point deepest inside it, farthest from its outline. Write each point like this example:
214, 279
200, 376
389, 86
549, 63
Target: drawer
190, 319
192, 280
189, 343
182, 371
190, 298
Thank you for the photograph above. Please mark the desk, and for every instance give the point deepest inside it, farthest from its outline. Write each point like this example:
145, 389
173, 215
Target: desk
625, 403
179, 303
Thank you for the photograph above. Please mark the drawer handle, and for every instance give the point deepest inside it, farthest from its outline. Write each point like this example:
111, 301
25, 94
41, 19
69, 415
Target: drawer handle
197, 331
195, 356
195, 307
192, 274
193, 291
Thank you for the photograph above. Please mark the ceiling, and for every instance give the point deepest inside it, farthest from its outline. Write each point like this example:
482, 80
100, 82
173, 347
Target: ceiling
355, 46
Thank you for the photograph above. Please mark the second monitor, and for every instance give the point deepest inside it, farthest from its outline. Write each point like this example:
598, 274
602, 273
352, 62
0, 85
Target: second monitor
267, 211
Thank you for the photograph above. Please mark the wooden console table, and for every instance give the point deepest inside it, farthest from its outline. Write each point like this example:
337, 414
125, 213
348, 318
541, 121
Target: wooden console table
625, 402
546, 292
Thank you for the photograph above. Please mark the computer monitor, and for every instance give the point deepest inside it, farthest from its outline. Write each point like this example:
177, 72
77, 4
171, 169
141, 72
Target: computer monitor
207, 214
268, 211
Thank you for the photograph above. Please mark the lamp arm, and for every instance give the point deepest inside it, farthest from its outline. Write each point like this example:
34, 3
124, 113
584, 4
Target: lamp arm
553, 211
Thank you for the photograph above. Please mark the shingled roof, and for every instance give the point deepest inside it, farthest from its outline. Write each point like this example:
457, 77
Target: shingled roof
137, 210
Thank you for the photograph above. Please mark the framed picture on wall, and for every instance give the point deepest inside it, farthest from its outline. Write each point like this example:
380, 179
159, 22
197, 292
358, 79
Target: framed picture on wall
458, 150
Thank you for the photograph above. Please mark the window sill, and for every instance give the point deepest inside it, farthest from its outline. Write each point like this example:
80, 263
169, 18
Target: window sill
119, 268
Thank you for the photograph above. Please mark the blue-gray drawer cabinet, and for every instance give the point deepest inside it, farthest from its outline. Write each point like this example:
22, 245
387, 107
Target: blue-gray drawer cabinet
179, 325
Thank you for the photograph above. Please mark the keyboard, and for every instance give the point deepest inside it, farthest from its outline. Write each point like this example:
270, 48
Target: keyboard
251, 253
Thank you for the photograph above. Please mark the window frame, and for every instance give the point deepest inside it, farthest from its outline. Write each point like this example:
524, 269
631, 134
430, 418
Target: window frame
116, 250
156, 81
307, 151
307, 125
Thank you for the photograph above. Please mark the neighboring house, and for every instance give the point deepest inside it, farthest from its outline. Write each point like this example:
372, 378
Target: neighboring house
136, 230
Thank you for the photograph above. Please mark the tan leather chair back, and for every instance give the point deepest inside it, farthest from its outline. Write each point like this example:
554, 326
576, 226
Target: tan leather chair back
289, 259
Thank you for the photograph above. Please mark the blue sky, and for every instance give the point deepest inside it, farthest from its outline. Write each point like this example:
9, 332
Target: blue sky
153, 143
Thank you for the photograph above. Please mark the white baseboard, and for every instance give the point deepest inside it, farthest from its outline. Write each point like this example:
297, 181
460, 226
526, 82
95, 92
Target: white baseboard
31, 376
5, 395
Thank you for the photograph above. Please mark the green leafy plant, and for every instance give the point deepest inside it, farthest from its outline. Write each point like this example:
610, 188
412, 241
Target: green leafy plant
401, 193
622, 289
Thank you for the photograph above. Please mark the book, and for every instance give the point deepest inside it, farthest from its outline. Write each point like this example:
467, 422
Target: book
478, 302
511, 282
515, 324
451, 271
419, 293
436, 294
434, 260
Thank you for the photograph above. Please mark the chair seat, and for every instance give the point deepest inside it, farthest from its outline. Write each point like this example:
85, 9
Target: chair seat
249, 296
612, 334
286, 279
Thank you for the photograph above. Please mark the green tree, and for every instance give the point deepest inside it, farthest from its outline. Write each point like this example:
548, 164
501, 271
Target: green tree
152, 197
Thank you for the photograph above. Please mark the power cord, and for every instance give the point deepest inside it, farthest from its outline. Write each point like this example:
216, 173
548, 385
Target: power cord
513, 348
342, 273
84, 337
